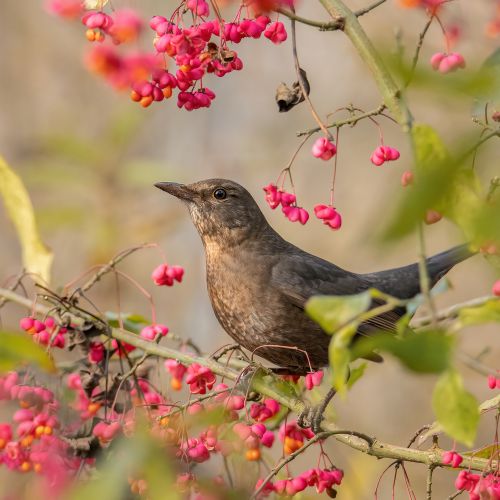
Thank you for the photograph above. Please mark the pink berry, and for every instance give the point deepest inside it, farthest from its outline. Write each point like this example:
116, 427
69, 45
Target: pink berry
276, 32
324, 149
407, 178
496, 288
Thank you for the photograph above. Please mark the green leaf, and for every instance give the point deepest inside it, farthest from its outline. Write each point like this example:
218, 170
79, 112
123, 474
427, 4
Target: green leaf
456, 409
139, 457
333, 312
423, 352
339, 355
37, 258
488, 452
356, 374
443, 182
131, 322
489, 312
19, 349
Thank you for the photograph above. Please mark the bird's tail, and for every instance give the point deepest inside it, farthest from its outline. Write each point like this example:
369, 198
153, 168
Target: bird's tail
438, 265
404, 282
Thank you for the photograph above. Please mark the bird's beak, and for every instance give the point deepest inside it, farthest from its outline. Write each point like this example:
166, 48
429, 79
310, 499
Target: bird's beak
178, 190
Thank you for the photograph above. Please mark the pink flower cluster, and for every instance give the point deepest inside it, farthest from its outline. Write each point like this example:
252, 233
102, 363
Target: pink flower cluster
313, 379
232, 402
151, 332
69, 9
447, 63
383, 154
293, 213
407, 178
261, 412
177, 371
495, 289
44, 332
252, 437
123, 70
479, 487
323, 479
493, 382
199, 378
329, 216
452, 458
293, 436
32, 442
198, 46
106, 432
324, 149
159, 88
165, 275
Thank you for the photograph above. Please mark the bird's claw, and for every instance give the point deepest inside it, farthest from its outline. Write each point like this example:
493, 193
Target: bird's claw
311, 417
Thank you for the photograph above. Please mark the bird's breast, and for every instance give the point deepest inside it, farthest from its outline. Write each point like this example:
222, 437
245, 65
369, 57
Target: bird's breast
239, 295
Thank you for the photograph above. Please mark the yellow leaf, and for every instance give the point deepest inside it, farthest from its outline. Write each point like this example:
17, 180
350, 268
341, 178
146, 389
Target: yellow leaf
37, 258
95, 4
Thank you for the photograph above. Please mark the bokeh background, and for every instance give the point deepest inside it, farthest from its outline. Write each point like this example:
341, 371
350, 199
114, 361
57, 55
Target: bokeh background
89, 157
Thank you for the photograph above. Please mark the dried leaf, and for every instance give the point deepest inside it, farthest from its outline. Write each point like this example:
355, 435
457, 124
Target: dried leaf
287, 98
37, 258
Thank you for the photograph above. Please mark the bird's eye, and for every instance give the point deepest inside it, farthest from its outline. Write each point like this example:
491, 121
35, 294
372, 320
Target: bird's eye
220, 194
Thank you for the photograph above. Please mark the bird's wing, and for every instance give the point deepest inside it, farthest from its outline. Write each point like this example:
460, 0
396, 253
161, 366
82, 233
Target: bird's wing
298, 277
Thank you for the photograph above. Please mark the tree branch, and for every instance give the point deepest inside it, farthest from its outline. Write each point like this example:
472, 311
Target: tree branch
385, 83
453, 311
271, 386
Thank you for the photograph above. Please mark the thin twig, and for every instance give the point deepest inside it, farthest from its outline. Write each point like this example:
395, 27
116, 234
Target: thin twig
328, 26
362, 12
301, 83
322, 25
348, 121
417, 51
428, 490
453, 311
425, 284
415, 436
108, 268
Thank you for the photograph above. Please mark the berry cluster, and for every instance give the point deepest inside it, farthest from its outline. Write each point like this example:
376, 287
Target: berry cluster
479, 486
33, 440
45, 332
197, 44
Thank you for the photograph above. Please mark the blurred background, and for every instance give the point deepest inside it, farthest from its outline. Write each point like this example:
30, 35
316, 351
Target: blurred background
89, 157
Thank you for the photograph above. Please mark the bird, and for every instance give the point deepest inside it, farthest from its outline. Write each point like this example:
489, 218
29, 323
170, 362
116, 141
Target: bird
259, 283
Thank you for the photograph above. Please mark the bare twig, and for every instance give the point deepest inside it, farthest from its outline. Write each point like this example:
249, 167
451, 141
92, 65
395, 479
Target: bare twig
425, 285
348, 121
365, 10
418, 49
322, 25
302, 85
453, 311
332, 25
428, 491
108, 268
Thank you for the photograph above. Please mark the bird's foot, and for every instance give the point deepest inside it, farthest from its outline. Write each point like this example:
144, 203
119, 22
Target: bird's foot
304, 420
313, 416
244, 382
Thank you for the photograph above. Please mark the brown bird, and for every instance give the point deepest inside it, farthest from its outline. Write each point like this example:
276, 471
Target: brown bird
258, 283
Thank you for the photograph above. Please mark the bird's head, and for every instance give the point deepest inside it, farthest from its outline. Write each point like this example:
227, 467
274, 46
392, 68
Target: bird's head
222, 210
